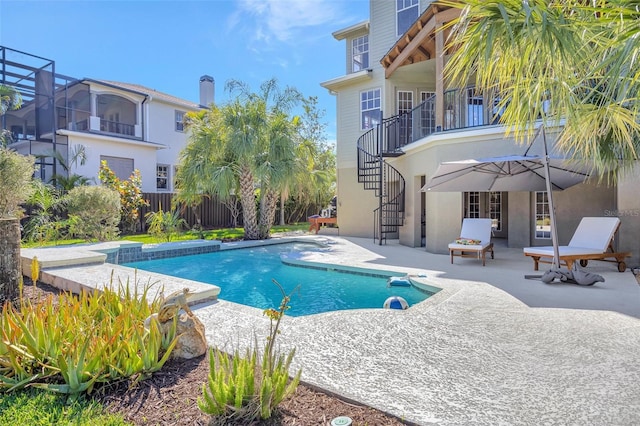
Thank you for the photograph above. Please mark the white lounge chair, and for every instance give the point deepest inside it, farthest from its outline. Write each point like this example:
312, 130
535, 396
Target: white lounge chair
474, 241
592, 240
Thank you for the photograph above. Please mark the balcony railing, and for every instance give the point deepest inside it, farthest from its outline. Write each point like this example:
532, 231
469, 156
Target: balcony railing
117, 127
80, 120
403, 129
464, 108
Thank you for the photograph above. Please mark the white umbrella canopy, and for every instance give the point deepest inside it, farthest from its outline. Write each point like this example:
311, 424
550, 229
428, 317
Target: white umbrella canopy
512, 173
507, 173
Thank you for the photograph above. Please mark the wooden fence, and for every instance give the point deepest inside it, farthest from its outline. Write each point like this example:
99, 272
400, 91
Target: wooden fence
212, 212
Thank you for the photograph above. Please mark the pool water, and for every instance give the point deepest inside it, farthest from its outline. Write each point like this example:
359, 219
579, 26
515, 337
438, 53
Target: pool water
245, 276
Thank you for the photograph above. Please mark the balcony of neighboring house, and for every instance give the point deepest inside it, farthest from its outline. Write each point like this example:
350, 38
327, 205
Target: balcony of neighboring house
107, 114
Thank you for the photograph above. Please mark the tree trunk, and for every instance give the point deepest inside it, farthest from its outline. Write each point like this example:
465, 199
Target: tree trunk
10, 271
269, 202
283, 200
248, 201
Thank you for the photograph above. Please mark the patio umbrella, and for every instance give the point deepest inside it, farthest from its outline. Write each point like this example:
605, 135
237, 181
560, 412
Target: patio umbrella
511, 173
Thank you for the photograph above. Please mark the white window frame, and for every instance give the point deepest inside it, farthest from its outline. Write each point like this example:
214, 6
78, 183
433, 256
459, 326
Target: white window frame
495, 210
370, 102
360, 53
542, 231
404, 105
472, 204
165, 174
179, 116
403, 6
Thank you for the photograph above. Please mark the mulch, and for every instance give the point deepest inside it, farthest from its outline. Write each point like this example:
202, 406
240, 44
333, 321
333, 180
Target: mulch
169, 396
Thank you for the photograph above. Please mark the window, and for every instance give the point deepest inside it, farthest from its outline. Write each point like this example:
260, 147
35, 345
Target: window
427, 114
179, 121
543, 219
495, 210
370, 108
475, 108
406, 15
162, 177
472, 205
122, 167
405, 106
360, 53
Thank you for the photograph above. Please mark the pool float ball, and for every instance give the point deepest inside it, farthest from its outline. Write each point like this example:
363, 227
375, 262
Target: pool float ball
395, 302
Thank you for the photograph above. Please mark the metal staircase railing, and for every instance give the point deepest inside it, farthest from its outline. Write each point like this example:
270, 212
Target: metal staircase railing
386, 140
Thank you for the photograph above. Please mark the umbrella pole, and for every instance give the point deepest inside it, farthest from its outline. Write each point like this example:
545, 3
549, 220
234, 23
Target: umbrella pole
555, 263
552, 211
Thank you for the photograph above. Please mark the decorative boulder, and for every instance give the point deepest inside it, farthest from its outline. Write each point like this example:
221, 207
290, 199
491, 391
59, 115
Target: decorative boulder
191, 341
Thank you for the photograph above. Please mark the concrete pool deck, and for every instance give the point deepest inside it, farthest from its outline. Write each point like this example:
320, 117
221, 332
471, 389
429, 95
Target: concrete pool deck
491, 348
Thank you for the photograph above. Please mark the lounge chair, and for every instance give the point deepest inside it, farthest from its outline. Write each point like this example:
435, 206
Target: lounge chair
474, 241
592, 240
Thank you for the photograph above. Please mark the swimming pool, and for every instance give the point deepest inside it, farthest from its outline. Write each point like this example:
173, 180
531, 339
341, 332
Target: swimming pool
245, 277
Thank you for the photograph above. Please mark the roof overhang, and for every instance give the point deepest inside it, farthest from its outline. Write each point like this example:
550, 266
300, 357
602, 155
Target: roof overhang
347, 80
417, 44
111, 139
352, 31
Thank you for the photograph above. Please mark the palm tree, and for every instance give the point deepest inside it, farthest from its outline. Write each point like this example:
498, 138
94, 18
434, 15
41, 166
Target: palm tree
572, 63
67, 181
246, 147
10, 99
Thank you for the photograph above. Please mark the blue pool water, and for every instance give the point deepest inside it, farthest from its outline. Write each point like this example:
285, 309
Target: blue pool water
245, 276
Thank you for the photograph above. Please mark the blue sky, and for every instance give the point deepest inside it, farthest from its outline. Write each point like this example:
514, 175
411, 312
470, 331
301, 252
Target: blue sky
168, 45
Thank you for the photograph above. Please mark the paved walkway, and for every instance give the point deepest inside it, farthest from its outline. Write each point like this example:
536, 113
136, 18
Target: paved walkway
491, 348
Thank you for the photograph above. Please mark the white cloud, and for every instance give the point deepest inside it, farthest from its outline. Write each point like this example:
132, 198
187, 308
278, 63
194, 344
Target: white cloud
285, 20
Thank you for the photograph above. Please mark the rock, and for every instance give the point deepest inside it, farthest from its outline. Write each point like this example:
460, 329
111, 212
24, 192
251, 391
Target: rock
192, 341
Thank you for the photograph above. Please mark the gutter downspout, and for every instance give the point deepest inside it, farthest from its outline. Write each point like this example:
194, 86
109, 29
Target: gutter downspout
143, 118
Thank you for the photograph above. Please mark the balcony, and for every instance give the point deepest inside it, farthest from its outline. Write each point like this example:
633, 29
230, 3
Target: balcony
82, 121
463, 110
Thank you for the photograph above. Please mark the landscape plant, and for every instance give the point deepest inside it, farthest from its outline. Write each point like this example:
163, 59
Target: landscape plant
94, 212
10, 99
130, 191
68, 180
251, 387
46, 208
248, 149
72, 344
16, 173
165, 225
567, 64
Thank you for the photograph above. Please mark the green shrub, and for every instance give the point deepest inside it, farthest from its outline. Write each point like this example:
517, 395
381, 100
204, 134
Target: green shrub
237, 390
44, 223
94, 212
130, 192
165, 225
16, 173
70, 345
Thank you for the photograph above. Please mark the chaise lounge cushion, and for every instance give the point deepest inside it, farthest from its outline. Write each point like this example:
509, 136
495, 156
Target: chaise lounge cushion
475, 236
592, 236
592, 240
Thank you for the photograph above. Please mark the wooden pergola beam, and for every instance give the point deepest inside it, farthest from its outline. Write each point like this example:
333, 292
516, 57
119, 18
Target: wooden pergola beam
410, 48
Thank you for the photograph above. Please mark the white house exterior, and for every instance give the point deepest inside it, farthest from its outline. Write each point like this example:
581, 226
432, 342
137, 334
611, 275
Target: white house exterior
128, 125
394, 69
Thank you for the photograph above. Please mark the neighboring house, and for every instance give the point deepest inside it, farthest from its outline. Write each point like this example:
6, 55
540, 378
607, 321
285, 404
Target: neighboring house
393, 103
128, 125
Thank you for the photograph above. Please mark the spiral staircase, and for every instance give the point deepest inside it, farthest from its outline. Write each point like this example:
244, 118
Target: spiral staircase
383, 141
